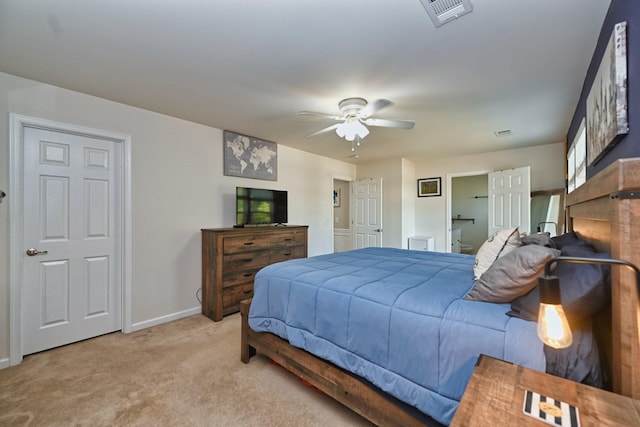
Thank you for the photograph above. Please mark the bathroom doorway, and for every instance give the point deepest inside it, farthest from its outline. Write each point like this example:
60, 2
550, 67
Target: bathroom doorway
467, 210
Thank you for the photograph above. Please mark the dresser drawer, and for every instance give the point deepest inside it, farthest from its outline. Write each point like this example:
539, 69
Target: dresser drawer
232, 245
233, 278
286, 253
232, 296
245, 260
289, 238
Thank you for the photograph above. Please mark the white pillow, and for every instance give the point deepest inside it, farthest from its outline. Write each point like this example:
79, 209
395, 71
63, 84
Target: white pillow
498, 244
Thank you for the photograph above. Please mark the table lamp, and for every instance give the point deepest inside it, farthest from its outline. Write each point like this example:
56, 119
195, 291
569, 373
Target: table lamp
553, 327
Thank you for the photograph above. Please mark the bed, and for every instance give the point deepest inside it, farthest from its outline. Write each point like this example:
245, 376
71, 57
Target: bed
373, 373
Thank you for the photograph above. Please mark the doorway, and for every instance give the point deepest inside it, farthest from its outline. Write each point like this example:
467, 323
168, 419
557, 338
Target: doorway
507, 204
469, 213
456, 190
341, 215
70, 235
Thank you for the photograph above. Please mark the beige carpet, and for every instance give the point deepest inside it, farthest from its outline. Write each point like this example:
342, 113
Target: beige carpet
183, 373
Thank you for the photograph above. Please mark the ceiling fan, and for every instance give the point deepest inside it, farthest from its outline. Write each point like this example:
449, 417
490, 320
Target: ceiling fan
355, 113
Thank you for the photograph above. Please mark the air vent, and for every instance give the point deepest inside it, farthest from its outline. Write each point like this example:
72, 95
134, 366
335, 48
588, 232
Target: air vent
502, 133
443, 11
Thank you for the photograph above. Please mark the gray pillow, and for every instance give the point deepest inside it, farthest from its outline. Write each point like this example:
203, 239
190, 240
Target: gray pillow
512, 275
542, 239
584, 288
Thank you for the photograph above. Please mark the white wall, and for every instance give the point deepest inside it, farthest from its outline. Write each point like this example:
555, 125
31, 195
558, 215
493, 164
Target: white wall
547, 172
177, 188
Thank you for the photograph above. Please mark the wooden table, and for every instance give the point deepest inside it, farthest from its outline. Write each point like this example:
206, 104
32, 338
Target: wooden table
496, 391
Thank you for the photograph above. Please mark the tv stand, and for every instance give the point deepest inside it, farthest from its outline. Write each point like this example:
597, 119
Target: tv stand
232, 256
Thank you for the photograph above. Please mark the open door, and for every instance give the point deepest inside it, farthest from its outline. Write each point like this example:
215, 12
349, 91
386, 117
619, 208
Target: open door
510, 200
367, 226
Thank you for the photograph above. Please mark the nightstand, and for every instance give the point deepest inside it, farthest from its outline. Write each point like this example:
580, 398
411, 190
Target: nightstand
496, 392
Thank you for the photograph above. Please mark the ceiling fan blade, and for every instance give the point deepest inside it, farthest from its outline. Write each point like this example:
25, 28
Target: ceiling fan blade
404, 124
325, 115
373, 107
325, 130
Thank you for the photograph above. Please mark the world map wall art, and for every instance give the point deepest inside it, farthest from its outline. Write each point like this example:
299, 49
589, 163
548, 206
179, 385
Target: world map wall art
250, 157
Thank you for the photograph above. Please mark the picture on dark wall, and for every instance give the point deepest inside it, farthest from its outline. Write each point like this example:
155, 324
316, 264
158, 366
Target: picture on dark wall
250, 157
607, 118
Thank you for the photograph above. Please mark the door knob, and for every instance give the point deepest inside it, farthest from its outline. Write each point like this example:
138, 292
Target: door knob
378, 230
34, 252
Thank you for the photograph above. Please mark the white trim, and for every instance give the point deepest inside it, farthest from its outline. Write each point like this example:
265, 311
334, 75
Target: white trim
165, 319
17, 123
447, 243
4, 363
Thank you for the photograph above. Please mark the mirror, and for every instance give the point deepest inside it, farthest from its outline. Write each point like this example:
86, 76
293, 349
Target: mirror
547, 211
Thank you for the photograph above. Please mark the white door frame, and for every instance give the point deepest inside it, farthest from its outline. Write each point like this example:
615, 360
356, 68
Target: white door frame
350, 180
449, 216
17, 123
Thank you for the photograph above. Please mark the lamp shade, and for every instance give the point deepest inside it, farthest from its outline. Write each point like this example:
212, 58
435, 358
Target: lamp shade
553, 326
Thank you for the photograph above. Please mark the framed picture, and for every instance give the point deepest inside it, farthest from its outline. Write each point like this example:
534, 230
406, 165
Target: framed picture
250, 157
429, 187
607, 119
336, 198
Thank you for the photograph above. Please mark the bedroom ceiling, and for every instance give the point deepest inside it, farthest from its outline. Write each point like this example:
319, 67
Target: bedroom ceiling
250, 66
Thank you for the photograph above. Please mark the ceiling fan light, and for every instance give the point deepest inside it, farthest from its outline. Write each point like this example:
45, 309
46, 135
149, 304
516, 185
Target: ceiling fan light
361, 130
350, 136
350, 129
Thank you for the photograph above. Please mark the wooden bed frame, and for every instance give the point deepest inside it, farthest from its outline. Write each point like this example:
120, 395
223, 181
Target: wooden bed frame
606, 212
602, 211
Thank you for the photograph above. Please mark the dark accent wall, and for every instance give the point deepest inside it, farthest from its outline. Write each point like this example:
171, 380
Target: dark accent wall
629, 145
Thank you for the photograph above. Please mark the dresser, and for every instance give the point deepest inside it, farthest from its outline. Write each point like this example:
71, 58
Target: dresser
232, 256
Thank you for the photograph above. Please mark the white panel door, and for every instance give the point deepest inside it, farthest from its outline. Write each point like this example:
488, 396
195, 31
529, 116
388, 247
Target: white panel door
368, 213
509, 200
71, 287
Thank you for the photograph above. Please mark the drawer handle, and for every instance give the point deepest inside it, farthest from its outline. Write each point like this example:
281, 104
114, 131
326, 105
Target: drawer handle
288, 239
287, 254
247, 274
248, 243
248, 292
247, 260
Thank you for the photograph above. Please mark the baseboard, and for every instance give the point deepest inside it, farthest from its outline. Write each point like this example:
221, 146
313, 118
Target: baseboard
4, 363
165, 319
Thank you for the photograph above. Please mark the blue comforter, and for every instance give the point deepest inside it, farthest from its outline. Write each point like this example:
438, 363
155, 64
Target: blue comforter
395, 317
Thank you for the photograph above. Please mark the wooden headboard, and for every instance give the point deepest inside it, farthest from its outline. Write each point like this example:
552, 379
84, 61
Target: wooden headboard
606, 212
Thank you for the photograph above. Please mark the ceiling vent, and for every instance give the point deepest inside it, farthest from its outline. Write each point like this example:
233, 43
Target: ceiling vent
503, 133
443, 11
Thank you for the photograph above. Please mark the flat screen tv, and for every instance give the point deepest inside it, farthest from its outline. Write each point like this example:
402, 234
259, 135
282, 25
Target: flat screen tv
255, 206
